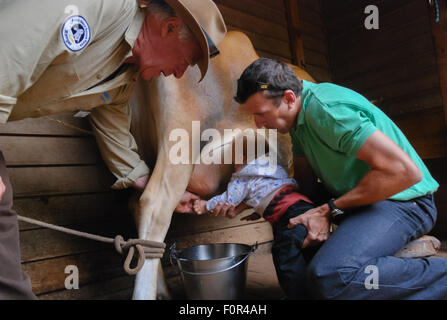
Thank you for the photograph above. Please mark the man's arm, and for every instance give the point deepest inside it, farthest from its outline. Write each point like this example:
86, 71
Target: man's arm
392, 171
111, 126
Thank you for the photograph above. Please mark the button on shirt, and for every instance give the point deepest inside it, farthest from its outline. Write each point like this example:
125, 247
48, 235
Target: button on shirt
333, 124
54, 54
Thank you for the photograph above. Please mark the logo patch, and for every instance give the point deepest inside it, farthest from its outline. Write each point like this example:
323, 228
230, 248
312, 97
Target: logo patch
76, 33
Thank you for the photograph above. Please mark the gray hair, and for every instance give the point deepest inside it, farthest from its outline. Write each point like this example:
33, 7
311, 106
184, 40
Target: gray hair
161, 10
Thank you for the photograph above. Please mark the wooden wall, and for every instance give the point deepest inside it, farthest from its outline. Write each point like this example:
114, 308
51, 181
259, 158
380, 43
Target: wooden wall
263, 21
307, 26
58, 177
396, 67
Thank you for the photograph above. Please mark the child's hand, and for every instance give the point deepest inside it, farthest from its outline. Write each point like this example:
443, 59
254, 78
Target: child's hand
200, 206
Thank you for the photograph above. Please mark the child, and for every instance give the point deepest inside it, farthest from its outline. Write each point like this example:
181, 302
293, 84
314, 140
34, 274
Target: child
274, 196
256, 184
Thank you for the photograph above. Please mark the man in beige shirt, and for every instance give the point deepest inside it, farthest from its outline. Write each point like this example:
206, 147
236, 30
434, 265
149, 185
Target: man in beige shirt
60, 56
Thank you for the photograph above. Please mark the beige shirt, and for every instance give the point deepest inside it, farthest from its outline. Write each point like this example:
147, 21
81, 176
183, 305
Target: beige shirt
54, 58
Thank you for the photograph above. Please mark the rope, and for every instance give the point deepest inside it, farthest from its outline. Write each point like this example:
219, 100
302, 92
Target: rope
146, 249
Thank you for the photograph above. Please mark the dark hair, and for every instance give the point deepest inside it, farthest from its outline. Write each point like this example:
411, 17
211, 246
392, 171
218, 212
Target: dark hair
268, 75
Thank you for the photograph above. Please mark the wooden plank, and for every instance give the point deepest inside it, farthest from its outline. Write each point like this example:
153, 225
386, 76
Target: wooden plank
421, 100
265, 11
272, 56
416, 85
439, 31
35, 150
38, 181
295, 31
274, 5
267, 44
310, 11
42, 244
49, 275
314, 30
426, 132
119, 288
73, 209
403, 71
184, 224
410, 50
318, 73
316, 59
254, 24
247, 234
315, 44
312, 6
44, 126
364, 44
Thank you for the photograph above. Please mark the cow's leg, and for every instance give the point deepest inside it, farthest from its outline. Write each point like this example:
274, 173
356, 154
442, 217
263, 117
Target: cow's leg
153, 216
162, 288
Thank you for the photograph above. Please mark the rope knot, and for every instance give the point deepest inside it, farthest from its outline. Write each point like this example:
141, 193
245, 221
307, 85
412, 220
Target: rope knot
145, 250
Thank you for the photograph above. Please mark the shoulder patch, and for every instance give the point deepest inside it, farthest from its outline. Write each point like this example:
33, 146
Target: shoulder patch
76, 33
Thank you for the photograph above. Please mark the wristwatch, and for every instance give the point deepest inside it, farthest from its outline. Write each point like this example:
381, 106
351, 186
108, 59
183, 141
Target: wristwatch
334, 210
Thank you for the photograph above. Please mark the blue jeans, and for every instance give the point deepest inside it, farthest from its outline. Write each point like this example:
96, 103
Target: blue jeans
357, 261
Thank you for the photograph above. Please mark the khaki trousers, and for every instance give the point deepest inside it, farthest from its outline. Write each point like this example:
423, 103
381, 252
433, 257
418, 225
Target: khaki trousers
14, 283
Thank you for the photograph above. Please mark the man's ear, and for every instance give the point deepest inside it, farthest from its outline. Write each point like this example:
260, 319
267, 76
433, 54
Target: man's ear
290, 97
170, 26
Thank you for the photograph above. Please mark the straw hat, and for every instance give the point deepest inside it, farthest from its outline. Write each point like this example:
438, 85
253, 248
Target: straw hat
206, 24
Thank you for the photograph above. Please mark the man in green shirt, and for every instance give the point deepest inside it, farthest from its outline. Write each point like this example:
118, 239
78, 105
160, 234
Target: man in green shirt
381, 191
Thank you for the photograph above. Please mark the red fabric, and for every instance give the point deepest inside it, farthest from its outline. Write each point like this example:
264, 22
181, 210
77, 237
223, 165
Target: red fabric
282, 200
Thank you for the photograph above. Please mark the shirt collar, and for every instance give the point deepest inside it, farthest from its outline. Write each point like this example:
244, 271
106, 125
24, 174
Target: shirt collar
306, 86
132, 32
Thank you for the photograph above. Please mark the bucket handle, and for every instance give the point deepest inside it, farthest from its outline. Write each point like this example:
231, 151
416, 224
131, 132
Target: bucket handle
253, 249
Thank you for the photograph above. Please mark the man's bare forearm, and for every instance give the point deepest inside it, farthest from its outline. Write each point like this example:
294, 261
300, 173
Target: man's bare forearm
376, 186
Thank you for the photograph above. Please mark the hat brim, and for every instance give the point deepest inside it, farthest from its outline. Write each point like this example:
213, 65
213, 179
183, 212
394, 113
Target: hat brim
183, 13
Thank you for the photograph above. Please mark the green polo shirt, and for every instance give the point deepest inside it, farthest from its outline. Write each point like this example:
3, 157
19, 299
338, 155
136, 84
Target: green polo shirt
333, 124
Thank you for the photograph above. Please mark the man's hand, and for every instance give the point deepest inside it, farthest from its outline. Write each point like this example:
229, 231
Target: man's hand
186, 204
317, 224
2, 188
141, 182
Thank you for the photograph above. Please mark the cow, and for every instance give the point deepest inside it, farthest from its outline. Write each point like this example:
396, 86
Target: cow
162, 105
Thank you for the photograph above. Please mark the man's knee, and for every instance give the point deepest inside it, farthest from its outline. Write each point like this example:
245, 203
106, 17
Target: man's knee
327, 280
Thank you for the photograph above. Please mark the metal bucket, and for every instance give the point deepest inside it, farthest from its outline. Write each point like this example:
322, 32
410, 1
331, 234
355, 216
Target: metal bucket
213, 271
